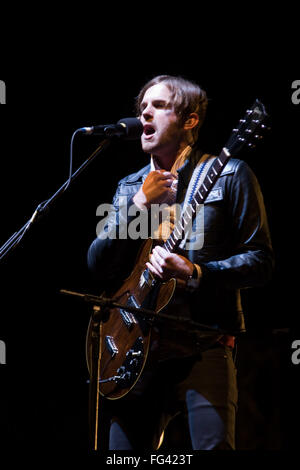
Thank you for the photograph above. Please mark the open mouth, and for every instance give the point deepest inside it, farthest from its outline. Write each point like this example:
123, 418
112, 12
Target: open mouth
148, 130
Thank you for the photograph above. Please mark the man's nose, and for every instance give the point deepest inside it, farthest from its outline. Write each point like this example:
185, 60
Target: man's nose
148, 113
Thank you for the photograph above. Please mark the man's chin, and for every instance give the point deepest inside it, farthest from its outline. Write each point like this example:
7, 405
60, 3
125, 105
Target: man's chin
148, 147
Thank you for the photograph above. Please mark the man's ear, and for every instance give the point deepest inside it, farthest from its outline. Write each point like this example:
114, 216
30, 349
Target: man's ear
192, 121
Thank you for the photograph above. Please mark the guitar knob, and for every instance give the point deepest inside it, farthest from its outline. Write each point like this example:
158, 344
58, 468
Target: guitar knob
136, 353
126, 376
132, 353
134, 362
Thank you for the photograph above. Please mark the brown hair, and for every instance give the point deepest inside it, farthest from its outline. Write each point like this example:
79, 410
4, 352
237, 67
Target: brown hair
187, 98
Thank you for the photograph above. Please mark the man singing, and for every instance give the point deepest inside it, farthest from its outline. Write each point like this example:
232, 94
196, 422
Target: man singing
233, 251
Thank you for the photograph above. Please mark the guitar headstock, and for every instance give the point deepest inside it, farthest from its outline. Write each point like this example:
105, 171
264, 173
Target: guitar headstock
249, 130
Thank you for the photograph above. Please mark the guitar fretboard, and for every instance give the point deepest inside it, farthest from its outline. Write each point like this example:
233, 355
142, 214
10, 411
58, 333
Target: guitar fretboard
199, 197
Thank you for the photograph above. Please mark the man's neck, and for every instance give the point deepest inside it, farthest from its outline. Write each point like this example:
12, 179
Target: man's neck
167, 161
177, 163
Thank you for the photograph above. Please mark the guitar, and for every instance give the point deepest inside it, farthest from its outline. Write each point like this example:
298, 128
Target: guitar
125, 337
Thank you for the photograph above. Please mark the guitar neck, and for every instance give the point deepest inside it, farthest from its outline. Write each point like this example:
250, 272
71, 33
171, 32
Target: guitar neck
199, 197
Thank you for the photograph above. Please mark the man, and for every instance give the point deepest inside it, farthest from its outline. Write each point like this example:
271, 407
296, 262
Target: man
232, 251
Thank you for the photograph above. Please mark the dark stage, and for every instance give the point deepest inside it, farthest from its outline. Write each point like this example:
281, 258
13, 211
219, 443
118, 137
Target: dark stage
44, 390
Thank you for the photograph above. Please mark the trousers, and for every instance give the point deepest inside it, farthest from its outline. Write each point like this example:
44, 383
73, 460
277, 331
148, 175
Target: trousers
203, 389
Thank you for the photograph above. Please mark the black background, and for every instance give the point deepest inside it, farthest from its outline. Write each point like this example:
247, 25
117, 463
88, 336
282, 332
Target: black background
44, 395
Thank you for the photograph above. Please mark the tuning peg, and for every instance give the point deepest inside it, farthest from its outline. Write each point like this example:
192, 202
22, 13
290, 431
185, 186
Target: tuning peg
251, 145
267, 128
258, 137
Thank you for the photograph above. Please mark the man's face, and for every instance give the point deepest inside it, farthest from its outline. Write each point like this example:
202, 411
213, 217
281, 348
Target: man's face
163, 132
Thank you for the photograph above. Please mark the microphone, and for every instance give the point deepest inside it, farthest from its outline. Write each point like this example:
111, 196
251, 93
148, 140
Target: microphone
129, 128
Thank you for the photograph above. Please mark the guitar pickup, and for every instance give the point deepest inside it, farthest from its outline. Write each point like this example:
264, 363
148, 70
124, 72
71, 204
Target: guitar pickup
128, 317
111, 345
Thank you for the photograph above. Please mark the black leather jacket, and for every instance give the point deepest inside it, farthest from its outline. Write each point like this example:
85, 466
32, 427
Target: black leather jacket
237, 251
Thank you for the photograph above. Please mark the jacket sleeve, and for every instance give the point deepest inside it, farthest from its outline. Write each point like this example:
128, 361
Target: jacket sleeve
112, 254
251, 260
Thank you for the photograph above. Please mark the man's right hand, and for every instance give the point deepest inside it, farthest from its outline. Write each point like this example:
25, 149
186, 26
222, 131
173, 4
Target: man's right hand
156, 189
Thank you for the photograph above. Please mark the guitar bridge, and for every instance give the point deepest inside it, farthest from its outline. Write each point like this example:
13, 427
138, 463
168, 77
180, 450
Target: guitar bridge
128, 317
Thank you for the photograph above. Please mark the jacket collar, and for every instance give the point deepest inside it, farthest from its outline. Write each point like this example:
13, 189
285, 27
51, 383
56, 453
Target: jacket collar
184, 172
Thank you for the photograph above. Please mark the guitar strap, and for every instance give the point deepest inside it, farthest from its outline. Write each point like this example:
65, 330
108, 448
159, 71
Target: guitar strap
196, 180
198, 177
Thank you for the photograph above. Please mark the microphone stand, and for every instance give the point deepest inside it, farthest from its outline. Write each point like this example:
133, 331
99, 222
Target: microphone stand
151, 315
15, 239
44, 206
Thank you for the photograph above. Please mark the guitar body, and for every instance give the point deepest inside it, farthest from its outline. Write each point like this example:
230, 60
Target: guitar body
125, 337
